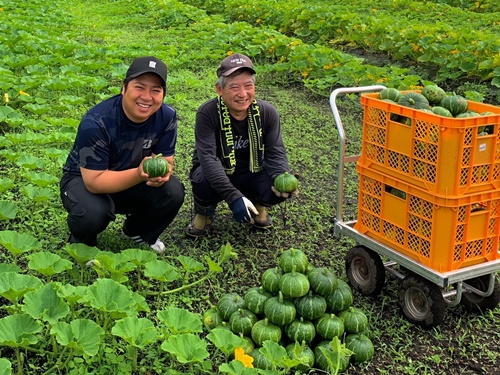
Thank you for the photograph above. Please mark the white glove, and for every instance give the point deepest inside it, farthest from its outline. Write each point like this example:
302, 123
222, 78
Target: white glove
242, 210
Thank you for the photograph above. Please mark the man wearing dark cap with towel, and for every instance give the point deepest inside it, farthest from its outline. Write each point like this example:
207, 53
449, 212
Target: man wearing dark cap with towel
103, 174
238, 152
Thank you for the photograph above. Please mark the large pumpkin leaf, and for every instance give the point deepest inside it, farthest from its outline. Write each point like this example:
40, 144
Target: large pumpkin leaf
161, 271
180, 321
48, 264
81, 334
44, 303
225, 340
138, 332
5, 367
80, 252
109, 296
6, 183
8, 210
18, 243
139, 256
18, 331
14, 285
187, 348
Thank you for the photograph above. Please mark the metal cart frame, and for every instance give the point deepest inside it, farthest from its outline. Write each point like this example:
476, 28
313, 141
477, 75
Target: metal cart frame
424, 292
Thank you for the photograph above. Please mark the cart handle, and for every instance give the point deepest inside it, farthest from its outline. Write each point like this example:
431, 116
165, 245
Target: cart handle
342, 158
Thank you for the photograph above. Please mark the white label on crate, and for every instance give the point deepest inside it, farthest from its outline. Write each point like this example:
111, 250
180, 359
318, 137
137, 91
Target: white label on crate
482, 147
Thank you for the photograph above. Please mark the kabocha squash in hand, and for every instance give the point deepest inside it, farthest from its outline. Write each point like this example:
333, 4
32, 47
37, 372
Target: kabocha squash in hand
156, 166
286, 183
291, 258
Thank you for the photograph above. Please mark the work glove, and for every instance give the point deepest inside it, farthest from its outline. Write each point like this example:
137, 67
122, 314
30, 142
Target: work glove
243, 209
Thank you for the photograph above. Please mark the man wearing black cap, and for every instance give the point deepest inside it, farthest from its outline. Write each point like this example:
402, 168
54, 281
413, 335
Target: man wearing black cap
103, 173
238, 152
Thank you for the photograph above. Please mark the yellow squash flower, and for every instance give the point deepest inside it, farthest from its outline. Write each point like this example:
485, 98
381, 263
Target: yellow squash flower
6, 97
239, 355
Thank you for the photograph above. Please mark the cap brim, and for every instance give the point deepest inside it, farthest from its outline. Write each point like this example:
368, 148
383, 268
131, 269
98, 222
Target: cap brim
135, 75
232, 70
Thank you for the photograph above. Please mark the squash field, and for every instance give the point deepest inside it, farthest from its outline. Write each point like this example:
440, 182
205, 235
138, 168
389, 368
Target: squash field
239, 301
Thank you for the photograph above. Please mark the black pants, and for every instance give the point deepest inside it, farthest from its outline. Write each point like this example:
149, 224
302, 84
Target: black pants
254, 186
149, 209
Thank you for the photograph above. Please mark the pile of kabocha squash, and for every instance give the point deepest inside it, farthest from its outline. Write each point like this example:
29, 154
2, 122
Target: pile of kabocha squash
297, 303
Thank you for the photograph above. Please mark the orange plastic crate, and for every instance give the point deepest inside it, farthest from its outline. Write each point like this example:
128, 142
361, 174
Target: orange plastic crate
446, 156
443, 234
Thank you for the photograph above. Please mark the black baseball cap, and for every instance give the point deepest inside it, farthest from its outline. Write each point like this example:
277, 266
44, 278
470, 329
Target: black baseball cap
234, 62
147, 64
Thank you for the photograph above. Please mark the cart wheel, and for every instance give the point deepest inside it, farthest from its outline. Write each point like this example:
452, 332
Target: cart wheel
421, 301
365, 270
477, 303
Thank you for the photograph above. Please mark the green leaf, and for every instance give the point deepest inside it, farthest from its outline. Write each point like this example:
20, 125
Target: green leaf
5, 367
14, 285
80, 334
109, 296
226, 253
190, 265
180, 321
18, 243
41, 179
80, 252
48, 264
161, 271
44, 303
138, 256
18, 331
5, 184
277, 355
225, 340
236, 368
213, 266
8, 210
72, 294
138, 332
186, 347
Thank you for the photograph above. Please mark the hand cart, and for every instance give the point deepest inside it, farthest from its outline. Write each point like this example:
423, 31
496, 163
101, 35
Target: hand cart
424, 292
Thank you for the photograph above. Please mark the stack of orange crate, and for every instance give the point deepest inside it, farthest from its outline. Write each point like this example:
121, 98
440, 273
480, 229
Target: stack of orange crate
429, 186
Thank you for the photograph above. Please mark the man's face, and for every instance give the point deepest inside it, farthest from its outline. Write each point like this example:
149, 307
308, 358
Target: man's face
238, 94
142, 97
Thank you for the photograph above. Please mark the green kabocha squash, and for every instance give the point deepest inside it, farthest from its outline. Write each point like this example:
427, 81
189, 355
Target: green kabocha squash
286, 183
433, 93
255, 298
329, 326
242, 321
279, 310
301, 330
340, 299
228, 304
294, 284
323, 281
211, 318
355, 320
322, 362
260, 361
301, 352
361, 346
248, 344
271, 278
311, 306
467, 114
390, 94
156, 166
264, 330
414, 100
441, 111
291, 258
456, 104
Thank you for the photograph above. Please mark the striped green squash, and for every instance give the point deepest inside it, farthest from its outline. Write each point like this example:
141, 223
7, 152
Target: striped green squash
301, 330
323, 281
242, 321
264, 330
279, 310
330, 326
311, 306
228, 304
294, 284
340, 299
271, 278
355, 320
293, 257
156, 166
255, 298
